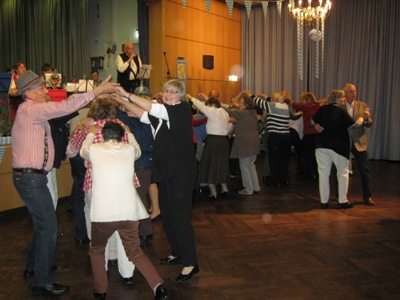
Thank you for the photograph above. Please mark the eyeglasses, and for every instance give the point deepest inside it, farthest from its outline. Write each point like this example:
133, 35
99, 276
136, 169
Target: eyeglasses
171, 92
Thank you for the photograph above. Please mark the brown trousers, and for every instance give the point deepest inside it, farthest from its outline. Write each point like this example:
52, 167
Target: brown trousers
128, 231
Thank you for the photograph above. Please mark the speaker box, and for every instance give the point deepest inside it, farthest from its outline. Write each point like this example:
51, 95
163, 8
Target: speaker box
208, 62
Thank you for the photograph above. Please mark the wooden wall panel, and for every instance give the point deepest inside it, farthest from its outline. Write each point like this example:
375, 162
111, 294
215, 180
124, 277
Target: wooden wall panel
214, 28
192, 32
9, 197
156, 42
224, 59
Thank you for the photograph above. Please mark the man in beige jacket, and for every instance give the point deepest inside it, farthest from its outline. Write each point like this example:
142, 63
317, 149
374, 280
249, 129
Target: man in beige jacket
358, 138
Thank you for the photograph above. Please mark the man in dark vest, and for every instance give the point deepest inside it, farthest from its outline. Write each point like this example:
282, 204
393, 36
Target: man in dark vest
128, 66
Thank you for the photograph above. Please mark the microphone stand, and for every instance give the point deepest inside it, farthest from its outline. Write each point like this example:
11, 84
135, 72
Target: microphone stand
141, 80
166, 62
143, 76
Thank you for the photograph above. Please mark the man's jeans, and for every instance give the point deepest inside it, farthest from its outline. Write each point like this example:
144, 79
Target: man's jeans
33, 190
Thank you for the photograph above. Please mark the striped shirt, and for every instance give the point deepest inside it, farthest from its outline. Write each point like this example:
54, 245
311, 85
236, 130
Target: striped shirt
277, 117
79, 137
30, 126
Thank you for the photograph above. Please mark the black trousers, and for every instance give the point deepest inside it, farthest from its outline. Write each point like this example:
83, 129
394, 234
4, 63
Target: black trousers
296, 142
279, 156
175, 196
309, 162
77, 196
363, 168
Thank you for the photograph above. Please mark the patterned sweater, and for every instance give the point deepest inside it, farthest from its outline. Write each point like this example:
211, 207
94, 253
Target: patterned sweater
278, 115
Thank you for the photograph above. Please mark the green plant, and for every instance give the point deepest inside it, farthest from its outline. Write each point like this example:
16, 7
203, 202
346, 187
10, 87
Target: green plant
5, 122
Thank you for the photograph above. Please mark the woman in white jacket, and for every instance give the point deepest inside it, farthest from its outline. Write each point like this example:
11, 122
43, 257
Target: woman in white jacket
116, 205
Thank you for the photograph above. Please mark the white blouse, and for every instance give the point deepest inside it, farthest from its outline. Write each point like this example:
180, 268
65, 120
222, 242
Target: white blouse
114, 196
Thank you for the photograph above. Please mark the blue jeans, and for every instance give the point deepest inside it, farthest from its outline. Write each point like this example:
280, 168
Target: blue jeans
33, 190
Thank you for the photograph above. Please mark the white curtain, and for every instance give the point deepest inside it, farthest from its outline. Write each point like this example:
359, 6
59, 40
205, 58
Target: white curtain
361, 47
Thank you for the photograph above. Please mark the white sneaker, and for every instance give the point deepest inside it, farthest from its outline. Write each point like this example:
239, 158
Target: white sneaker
244, 192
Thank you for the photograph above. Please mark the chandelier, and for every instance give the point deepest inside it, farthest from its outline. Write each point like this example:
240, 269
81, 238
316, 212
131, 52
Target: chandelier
310, 15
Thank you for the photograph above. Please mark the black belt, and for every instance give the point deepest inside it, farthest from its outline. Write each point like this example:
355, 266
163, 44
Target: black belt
29, 170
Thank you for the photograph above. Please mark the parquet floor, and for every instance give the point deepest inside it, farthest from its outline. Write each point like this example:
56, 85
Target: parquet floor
277, 244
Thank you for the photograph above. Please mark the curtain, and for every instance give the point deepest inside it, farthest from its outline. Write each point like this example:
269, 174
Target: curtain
361, 47
51, 31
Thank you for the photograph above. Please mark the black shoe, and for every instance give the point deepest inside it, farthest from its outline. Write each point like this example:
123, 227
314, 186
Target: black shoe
99, 295
271, 182
129, 280
29, 274
54, 289
324, 205
170, 260
145, 239
345, 205
182, 277
212, 197
161, 293
224, 194
266, 179
284, 183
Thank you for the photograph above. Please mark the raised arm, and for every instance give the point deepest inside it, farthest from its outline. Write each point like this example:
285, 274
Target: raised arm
142, 103
136, 110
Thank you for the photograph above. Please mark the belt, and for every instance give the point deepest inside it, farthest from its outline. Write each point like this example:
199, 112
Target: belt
29, 170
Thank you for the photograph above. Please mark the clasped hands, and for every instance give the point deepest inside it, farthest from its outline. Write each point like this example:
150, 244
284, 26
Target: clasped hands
366, 114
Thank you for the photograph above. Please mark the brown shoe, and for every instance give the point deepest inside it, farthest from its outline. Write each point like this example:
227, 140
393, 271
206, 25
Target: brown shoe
369, 202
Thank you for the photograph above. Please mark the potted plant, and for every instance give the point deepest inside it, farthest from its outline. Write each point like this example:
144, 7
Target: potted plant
5, 126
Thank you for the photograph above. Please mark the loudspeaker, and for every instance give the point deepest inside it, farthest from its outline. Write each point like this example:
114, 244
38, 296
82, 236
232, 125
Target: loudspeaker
208, 62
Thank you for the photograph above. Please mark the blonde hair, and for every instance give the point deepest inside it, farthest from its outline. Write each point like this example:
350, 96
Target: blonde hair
278, 96
334, 95
102, 109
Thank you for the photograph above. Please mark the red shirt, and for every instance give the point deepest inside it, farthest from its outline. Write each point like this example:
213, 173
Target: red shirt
309, 111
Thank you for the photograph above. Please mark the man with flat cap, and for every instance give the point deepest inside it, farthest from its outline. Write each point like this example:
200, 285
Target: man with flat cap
32, 158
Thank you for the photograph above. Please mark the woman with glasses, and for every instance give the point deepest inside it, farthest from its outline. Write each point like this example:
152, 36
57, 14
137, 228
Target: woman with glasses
174, 168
